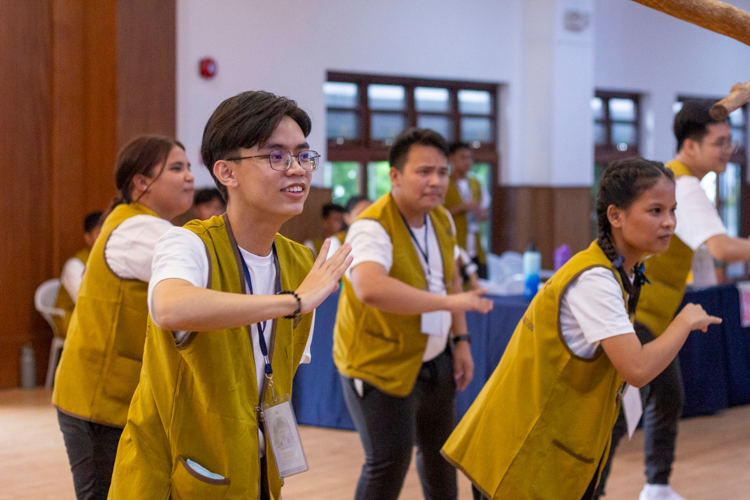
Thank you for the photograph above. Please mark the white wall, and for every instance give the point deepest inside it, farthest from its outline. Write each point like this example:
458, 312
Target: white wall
641, 50
287, 46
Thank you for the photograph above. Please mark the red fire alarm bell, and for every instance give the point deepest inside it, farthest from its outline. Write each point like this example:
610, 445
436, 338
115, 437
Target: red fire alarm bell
207, 67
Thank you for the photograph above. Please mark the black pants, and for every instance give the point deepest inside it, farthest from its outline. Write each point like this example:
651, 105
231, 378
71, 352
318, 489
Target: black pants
663, 399
91, 452
389, 426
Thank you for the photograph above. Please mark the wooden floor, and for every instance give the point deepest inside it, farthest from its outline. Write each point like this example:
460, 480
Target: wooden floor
713, 458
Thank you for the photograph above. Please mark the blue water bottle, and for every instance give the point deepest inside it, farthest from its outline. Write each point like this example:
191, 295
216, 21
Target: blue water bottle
532, 263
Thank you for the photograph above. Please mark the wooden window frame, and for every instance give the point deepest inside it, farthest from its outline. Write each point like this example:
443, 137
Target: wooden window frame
608, 152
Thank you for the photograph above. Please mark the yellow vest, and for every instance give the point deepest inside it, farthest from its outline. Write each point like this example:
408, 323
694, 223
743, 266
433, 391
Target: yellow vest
197, 399
453, 198
341, 236
542, 424
382, 348
668, 274
318, 244
101, 362
65, 302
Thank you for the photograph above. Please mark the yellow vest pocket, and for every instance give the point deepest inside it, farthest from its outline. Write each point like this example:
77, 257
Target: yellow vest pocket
190, 484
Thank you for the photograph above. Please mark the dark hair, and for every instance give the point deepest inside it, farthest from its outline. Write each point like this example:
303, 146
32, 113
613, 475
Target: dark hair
206, 195
354, 201
623, 182
329, 208
457, 146
405, 140
243, 121
91, 221
141, 156
692, 121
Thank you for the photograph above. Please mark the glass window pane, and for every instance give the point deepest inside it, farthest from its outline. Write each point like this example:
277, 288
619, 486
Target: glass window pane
708, 183
340, 95
738, 136
431, 99
391, 97
342, 124
737, 117
621, 109
378, 181
440, 124
477, 129
623, 133
343, 179
476, 102
596, 108
600, 133
386, 126
729, 196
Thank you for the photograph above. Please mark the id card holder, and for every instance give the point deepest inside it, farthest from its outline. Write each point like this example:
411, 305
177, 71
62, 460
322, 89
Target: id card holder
633, 408
432, 323
283, 434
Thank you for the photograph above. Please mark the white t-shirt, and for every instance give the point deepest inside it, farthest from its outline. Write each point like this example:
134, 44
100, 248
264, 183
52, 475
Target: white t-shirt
591, 310
472, 227
71, 276
370, 243
697, 218
130, 247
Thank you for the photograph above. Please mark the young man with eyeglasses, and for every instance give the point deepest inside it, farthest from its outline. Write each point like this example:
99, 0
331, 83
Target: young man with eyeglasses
231, 316
703, 145
400, 342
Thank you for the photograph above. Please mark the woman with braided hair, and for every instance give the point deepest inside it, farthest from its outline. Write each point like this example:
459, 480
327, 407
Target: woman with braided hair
541, 427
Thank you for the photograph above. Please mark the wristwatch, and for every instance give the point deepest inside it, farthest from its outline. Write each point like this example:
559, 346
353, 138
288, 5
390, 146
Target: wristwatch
464, 337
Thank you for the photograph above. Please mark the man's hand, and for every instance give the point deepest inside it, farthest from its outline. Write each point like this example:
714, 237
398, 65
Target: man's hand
463, 365
469, 301
323, 278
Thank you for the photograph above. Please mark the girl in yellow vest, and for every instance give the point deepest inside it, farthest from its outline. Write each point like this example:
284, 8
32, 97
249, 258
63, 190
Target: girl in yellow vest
231, 305
541, 426
101, 362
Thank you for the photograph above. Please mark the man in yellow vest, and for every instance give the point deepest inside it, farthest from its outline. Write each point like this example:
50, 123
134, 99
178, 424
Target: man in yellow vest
72, 273
399, 309
231, 315
332, 222
468, 202
704, 145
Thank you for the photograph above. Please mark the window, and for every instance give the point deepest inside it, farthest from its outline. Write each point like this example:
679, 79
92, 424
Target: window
365, 113
725, 190
616, 135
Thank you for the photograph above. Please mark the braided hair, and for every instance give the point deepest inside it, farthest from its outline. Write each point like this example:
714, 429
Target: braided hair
623, 182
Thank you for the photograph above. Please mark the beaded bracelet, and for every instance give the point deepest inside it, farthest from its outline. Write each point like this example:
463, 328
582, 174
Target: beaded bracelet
296, 315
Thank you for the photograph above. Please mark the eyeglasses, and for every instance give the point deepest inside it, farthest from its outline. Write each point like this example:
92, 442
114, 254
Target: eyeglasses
727, 146
281, 160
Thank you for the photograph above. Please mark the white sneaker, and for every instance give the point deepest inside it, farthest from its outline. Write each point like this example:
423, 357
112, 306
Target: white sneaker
659, 492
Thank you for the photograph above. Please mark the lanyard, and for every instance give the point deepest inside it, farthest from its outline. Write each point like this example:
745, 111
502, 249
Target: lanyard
426, 252
262, 325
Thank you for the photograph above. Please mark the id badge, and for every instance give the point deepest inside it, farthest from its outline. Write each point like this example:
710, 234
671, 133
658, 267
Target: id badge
283, 434
432, 323
633, 407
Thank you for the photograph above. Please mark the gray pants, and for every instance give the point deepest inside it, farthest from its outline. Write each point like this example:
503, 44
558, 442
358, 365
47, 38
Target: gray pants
91, 452
389, 426
663, 399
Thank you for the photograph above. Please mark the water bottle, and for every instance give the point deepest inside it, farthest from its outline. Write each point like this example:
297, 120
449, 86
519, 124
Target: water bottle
28, 367
532, 263
562, 255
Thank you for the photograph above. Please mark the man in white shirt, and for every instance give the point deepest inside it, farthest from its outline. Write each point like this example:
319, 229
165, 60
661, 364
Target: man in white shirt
703, 145
395, 321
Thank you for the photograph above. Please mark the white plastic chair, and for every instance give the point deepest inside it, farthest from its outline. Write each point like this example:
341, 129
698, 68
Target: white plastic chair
44, 301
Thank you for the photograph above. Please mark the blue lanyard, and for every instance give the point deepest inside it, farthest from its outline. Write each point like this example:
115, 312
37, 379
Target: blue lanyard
426, 252
262, 326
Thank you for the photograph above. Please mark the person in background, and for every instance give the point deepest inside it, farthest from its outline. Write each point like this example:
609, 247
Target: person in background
72, 273
468, 202
401, 342
208, 203
101, 363
354, 207
332, 222
703, 145
541, 426
232, 311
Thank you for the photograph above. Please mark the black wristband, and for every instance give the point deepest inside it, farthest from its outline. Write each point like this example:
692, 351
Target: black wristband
464, 337
296, 314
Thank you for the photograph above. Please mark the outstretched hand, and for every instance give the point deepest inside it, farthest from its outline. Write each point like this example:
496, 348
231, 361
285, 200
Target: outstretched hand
470, 301
697, 318
323, 278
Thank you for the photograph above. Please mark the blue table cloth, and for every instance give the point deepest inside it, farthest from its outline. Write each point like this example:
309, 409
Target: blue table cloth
715, 364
